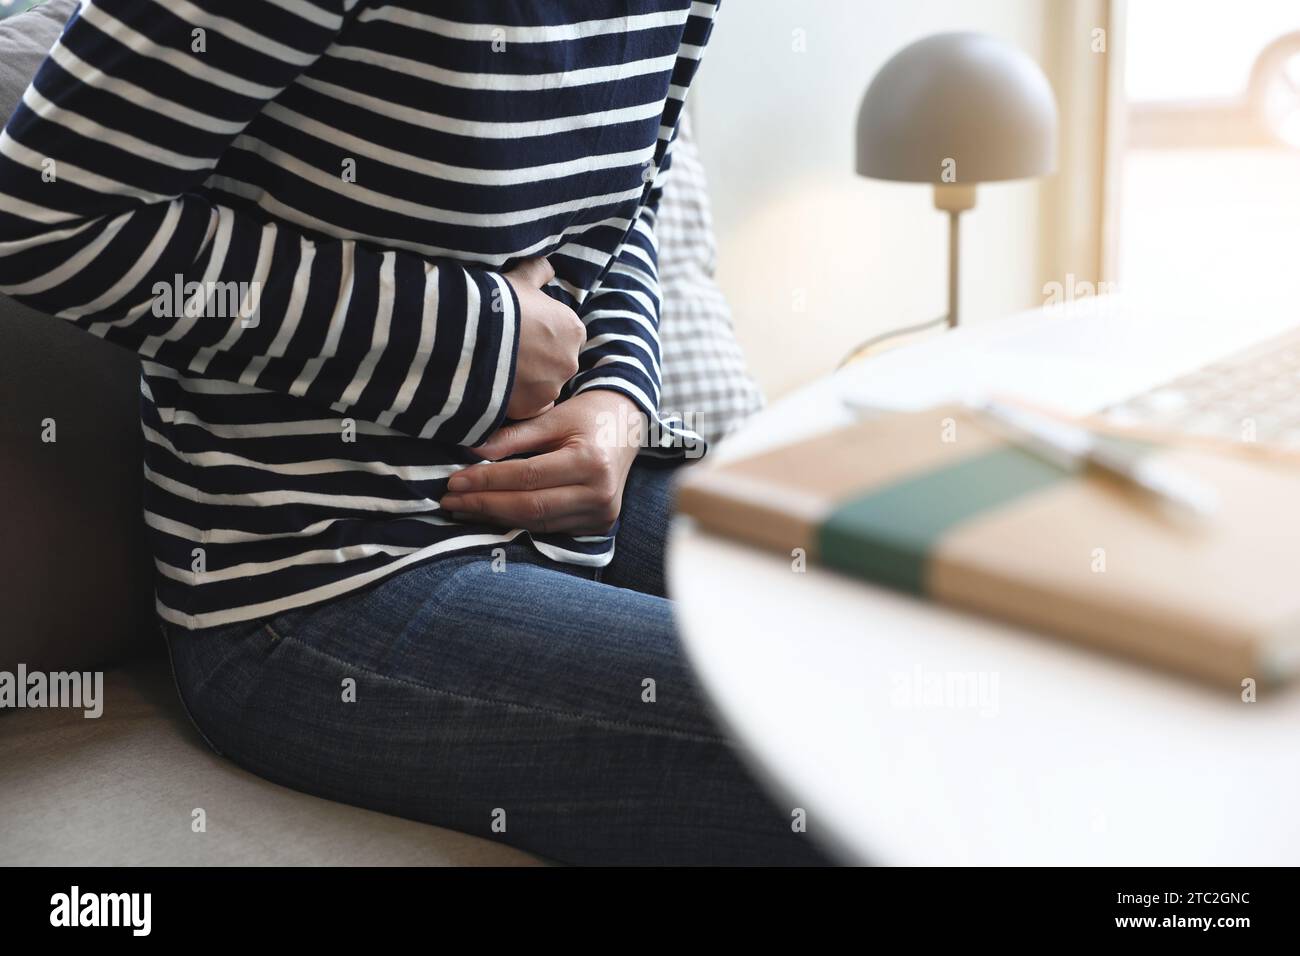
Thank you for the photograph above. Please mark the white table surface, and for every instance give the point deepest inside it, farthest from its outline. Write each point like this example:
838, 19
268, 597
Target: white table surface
1068, 757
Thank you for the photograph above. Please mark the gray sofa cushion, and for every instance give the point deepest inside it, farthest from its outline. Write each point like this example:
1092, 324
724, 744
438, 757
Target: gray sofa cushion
120, 790
24, 41
76, 587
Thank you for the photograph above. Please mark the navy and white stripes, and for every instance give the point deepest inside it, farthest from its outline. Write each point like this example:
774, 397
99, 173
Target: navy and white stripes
363, 172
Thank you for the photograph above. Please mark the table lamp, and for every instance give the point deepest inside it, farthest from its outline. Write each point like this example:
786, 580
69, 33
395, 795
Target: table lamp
957, 109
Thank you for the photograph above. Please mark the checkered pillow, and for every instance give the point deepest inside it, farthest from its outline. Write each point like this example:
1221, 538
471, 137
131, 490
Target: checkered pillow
704, 375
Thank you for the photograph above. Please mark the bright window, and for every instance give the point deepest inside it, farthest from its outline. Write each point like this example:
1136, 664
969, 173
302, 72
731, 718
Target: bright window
1209, 172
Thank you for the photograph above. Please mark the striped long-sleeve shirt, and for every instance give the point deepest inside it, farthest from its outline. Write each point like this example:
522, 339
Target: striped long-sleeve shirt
298, 213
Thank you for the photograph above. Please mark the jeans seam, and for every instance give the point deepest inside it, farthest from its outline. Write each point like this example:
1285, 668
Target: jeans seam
526, 708
180, 694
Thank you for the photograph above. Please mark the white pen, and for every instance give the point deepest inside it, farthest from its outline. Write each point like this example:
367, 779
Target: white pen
1072, 446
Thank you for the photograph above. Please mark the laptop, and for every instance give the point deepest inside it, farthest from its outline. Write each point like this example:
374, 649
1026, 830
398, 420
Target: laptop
1208, 374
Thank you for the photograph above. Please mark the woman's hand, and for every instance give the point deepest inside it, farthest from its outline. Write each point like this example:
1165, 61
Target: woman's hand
575, 484
550, 335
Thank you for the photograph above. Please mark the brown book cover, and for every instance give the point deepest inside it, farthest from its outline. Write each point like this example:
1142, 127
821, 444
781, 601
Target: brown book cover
941, 505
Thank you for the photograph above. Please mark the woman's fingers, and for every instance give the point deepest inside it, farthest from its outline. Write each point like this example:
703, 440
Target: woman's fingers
566, 508
534, 272
528, 474
530, 434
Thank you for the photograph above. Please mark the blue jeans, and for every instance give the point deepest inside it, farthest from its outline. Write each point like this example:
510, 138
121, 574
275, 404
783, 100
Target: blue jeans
515, 692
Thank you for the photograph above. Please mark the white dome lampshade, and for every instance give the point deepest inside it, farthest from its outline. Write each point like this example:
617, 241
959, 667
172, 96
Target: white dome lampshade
961, 101
957, 109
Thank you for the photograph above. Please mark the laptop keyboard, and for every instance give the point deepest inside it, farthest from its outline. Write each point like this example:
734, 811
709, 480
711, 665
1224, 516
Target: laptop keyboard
1250, 398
